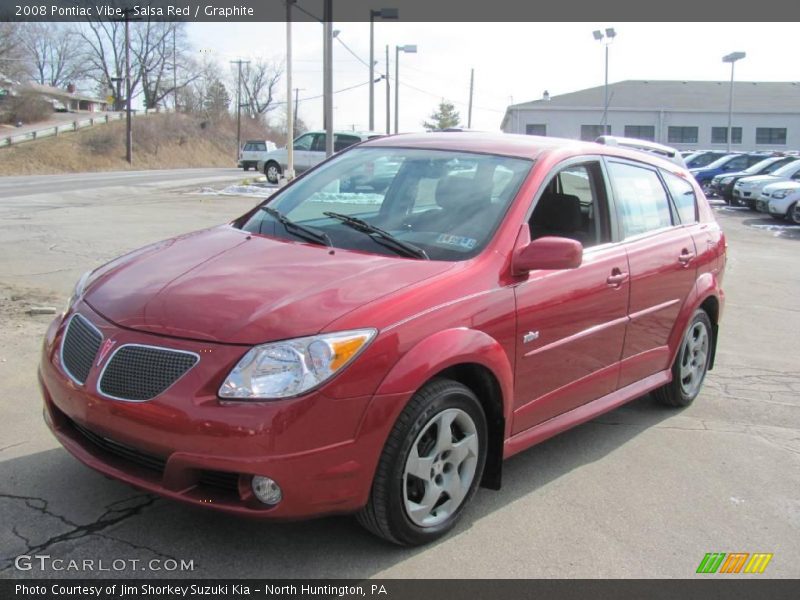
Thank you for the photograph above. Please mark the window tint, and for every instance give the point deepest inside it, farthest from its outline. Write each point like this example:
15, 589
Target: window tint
304, 142
570, 206
641, 200
340, 141
683, 197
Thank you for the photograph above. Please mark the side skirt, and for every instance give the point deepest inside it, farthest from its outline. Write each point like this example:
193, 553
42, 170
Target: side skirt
587, 412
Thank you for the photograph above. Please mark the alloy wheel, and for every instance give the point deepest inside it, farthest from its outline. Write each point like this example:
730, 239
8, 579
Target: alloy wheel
694, 358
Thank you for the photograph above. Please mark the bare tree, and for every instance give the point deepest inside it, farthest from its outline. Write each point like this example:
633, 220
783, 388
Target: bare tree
54, 53
259, 85
192, 96
160, 48
105, 58
11, 57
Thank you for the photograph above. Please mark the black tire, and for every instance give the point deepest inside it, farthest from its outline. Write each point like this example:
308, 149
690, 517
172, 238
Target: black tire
273, 171
385, 514
675, 393
793, 215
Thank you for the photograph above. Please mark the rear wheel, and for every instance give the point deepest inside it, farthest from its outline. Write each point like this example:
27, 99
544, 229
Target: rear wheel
430, 466
691, 363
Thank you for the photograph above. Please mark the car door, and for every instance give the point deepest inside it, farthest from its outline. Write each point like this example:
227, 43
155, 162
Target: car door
662, 260
302, 151
570, 323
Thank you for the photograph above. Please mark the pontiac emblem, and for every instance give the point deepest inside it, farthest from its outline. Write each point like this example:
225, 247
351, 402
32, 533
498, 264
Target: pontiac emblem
104, 350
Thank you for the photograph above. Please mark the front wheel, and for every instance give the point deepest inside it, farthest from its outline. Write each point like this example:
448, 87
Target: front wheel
272, 171
794, 213
691, 364
430, 466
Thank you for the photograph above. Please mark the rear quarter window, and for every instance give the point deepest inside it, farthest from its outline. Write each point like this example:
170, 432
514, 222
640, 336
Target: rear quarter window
683, 197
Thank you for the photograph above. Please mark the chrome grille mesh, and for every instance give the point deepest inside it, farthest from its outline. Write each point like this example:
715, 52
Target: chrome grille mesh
140, 373
79, 347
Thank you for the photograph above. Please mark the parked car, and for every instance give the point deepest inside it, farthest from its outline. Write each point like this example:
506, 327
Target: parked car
722, 185
701, 158
747, 190
731, 163
382, 353
309, 151
253, 151
780, 200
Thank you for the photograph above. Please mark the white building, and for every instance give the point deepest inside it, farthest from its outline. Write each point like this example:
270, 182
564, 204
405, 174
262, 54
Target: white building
683, 114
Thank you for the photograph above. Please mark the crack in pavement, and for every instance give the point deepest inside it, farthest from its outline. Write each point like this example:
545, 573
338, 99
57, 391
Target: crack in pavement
4, 448
135, 546
115, 513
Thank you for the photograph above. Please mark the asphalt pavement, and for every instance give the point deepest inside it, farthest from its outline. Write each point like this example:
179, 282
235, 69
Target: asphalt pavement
642, 491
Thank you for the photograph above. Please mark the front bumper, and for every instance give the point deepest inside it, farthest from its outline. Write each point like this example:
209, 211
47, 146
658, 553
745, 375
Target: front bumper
188, 445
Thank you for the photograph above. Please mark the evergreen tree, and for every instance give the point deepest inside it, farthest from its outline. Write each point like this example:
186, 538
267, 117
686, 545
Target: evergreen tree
446, 116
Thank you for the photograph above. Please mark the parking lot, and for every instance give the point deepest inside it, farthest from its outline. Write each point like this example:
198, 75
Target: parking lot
642, 491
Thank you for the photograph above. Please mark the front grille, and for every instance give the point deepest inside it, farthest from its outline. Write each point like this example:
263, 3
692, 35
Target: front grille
220, 479
140, 373
79, 347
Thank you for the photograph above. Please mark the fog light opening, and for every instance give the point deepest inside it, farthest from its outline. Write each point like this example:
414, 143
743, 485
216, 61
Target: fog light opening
266, 490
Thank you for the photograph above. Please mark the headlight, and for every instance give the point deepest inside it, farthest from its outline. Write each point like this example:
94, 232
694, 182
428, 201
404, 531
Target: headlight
78, 290
293, 367
780, 194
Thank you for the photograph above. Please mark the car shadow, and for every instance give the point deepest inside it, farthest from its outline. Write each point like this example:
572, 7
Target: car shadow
118, 522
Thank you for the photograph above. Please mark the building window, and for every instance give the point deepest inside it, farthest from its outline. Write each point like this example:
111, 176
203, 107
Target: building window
719, 135
590, 133
641, 132
535, 129
771, 135
682, 135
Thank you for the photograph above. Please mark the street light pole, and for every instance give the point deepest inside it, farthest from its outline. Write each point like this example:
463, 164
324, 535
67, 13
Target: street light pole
731, 58
289, 175
388, 96
409, 49
128, 129
327, 79
383, 13
239, 62
609, 36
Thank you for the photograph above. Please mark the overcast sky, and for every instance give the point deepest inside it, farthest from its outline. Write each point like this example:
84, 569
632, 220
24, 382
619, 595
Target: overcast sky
513, 62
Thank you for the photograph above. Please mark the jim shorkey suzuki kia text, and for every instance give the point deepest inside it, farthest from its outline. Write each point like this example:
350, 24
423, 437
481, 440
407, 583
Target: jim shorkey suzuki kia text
380, 348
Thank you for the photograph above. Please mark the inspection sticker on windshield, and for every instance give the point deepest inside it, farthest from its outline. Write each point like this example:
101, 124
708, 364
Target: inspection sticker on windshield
457, 240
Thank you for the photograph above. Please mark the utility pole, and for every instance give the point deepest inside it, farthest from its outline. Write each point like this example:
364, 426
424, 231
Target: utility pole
388, 95
327, 79
471, 87
174, 66
296, 103
290, 119
239, 62
128, 129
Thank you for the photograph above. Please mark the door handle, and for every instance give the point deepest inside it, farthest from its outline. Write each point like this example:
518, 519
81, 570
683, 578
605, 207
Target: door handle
616, 278
685, 257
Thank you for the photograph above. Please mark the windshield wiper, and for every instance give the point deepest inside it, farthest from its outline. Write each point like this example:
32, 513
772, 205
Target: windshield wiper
303, 231
380, 236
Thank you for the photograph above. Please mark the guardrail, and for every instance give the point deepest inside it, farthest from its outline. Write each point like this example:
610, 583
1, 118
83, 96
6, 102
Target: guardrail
69, 126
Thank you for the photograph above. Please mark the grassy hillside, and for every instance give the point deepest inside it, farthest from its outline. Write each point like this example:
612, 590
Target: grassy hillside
163, 141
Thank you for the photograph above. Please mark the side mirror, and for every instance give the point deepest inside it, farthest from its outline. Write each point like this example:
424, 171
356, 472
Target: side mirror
547, 252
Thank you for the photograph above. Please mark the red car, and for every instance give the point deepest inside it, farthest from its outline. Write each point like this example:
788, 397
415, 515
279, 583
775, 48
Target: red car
381, 352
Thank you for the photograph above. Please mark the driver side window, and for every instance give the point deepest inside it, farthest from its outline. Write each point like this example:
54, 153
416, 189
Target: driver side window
304, 142
573, 205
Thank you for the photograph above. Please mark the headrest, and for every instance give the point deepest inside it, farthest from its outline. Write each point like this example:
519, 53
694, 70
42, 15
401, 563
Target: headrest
454, 192
558, 212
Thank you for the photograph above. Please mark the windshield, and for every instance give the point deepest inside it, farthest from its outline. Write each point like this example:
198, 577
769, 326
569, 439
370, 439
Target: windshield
787, 170
768, 165
701, 159
445, 203
721, 161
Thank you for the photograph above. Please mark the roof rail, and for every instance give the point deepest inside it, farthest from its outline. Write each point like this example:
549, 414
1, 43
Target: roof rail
667, 152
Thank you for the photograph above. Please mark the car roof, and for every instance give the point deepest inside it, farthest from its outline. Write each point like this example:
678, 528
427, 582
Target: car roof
509, 144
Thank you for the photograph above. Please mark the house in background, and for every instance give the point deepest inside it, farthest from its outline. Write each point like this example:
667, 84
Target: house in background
683, 114
69, 99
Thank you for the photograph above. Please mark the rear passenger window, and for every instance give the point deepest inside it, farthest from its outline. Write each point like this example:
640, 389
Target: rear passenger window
340, 142
683, 197
642, 201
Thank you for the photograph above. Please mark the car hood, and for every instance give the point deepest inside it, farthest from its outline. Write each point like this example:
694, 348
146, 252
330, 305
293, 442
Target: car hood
734, 174
782, 185
223, 285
